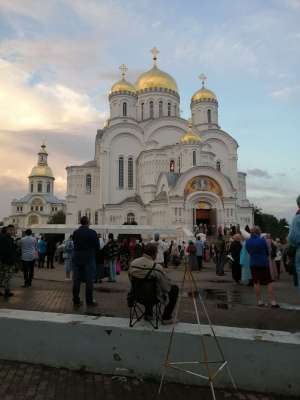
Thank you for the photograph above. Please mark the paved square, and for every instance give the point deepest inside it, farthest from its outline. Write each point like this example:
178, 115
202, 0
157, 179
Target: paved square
228, 303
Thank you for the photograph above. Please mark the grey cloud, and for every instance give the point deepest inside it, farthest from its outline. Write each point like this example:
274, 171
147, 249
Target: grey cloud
10, 188
259, 173
280, 174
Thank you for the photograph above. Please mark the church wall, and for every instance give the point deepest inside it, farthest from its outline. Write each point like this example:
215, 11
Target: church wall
227, 156
242, 195
160, 214
165, 131
116, 106
127, 146
85, 190
143, 105
118, 214
200, 115
165, 136
245, 216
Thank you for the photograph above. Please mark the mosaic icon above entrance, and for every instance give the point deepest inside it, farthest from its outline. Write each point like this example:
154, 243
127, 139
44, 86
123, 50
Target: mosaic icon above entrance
202, 184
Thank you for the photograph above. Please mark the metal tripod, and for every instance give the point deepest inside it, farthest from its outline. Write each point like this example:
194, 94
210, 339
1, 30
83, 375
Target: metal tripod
211, 371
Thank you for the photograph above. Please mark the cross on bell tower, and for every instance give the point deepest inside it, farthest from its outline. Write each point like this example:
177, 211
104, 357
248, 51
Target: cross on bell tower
203, 79
123, 68
155, 53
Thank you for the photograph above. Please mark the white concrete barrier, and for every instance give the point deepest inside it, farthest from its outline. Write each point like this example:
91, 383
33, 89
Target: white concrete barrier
264, 361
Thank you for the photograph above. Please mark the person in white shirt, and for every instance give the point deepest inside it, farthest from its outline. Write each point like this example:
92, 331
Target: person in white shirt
161, 248
278, 257
28, 256
101, 241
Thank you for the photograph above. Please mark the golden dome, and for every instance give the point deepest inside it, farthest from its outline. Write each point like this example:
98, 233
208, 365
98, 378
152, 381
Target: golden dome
122, 86
42, 171
204, 95
155, 78
190, 137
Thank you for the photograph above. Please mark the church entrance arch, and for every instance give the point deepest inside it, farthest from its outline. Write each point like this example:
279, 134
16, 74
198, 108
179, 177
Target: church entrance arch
33, 220
203, 197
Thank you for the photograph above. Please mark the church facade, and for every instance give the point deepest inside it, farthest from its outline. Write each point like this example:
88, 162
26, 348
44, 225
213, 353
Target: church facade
155, 168
39, 204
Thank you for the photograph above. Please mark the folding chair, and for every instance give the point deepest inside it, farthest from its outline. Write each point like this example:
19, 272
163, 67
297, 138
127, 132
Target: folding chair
142, 294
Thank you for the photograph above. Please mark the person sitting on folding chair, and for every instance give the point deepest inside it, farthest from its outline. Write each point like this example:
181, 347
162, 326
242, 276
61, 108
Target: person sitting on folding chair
145, 268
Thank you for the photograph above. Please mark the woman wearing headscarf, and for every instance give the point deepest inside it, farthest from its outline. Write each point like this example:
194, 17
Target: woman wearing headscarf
235, 252
192, 256
245, 259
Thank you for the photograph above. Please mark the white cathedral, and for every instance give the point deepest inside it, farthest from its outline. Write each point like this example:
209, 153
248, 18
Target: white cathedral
155, 168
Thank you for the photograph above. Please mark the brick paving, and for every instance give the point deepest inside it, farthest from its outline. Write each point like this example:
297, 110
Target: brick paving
21, 381
228, 304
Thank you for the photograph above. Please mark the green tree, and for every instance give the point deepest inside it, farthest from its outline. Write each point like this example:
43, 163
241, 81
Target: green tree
57, 218
270, 224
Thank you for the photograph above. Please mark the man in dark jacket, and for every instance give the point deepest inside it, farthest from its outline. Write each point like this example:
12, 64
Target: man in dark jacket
86, 244
7, 258
51, 248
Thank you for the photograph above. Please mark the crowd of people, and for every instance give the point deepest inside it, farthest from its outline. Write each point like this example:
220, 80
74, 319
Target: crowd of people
254, 258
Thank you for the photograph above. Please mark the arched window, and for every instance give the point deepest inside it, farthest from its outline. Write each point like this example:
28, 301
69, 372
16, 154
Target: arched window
79, 216
151, 109
48, 187
169, 109
142, 110
209, 116
130, 218
40, 187
172, 166
96, 217
130, 173
218, 166
31, 187
124, 109
121, 172
160, 108
88, 183
194, 158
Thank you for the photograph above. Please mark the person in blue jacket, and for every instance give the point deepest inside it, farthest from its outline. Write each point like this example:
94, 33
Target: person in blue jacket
259, 263
294, 240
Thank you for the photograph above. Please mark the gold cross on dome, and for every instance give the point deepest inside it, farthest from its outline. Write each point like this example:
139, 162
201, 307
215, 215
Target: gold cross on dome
203, 79
155, 53
123, 68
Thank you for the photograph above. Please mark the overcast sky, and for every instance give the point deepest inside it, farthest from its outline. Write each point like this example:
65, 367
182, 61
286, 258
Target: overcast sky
59, 58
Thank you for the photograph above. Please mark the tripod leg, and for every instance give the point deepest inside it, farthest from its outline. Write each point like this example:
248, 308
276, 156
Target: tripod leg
203, 345
213, 332
203, 306
165, 365
162, 381
231, 377
212, 390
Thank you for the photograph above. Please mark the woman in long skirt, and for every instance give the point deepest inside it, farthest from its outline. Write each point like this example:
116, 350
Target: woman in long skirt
235, 251
192, 257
